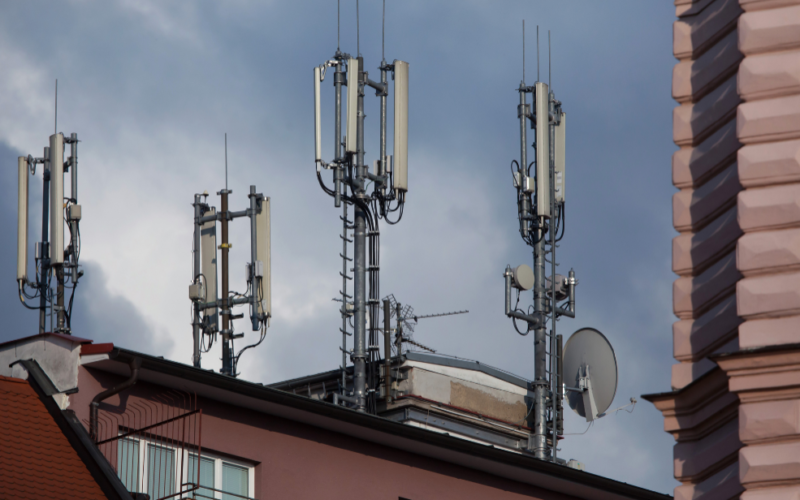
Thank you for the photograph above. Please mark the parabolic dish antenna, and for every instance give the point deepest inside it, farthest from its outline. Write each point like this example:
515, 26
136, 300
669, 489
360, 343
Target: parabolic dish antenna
590, 373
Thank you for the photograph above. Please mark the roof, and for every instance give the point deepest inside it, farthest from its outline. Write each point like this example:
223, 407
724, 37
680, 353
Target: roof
335, 418
435, 359
36, 458
71, 338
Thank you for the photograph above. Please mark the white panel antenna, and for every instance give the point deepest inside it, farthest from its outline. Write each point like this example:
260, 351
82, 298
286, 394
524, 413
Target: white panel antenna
56, 199
263, 253
561, 148
22, 219
317, 116
351, 139
208, 259
542, 97
401, 125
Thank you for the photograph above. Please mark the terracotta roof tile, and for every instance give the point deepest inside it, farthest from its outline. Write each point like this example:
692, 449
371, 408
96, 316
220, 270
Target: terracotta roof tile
36, 460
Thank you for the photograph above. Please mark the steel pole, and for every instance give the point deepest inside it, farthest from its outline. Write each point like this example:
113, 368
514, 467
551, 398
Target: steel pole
360, 278
227, 332
382, 159
196, 273
74, 195
253, 257
553, 345
60, 298
44, 256
387, 351
539, 444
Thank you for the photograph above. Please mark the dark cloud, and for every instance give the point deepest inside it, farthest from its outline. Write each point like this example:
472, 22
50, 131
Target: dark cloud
162, 80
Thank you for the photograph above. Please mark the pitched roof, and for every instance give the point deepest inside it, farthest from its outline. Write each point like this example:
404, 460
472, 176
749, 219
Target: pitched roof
36, 459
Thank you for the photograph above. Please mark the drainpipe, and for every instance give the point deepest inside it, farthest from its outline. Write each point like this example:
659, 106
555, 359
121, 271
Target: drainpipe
134, 365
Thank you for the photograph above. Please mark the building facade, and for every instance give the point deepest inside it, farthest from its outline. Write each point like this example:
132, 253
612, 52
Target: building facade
733, 407
171, 430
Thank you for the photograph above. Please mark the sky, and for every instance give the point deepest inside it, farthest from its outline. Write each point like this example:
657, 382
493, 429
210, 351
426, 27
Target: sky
152, 87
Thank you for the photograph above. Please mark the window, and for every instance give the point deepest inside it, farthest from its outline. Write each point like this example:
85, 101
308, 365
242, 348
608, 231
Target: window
234, 480
162, 471
128, 464
207, 466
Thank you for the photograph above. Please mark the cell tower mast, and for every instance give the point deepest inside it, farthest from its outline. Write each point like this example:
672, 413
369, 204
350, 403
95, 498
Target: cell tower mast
51, 257
351, 179
540, 203
206, 305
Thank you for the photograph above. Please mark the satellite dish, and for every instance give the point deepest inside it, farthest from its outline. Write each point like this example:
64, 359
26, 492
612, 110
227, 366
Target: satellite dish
589, 373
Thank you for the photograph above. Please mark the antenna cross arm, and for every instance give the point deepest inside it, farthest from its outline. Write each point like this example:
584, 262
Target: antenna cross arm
533, 321
241, 213
570, 313
381, 88
380, 179
209, 218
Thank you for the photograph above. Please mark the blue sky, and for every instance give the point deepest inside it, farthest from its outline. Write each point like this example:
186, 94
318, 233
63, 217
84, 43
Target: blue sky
151, 87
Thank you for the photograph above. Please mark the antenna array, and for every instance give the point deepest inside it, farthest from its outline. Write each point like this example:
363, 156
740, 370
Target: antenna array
540, 204
351, 179
51, 257
207, 306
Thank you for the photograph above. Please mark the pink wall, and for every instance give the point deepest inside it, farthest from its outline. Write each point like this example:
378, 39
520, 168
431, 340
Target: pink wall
736, 418
768, 255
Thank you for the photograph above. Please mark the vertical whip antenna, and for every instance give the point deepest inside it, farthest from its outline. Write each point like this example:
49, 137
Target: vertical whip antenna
358, 33
537, 52
523, 50
549, 62
383, 34
226, 161
56, 124
338, 24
